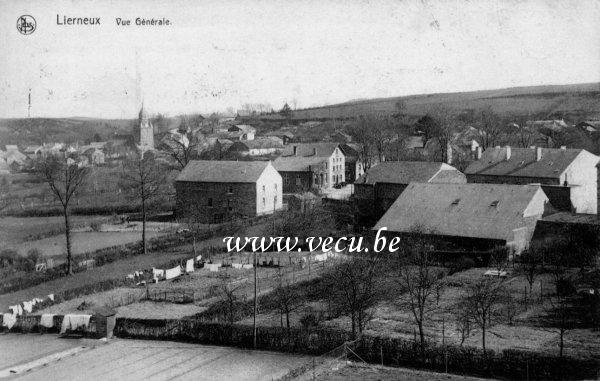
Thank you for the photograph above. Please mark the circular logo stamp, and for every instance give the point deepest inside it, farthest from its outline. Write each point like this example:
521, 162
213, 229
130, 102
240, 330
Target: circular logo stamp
26, 24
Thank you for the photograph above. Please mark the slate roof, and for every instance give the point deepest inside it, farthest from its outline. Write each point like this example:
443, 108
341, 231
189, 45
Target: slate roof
522, 162
490, 211
212, 171
307, 149
403, 172
297, 163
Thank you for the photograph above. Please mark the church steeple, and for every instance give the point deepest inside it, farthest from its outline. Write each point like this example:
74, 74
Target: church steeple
145, 138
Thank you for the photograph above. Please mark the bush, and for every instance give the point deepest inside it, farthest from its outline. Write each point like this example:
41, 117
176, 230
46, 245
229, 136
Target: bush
463, 263
96, 226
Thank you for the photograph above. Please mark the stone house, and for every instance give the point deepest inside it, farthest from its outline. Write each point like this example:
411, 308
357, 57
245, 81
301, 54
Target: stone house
354, 166
241, 132
311, 166
216, 191
468, 216
377, 189
567, 176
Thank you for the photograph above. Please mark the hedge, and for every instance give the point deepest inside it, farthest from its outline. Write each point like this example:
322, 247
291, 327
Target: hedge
296, 340
397, 352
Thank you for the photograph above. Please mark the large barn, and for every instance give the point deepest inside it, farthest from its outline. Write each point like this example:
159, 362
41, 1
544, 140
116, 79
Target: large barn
216, 191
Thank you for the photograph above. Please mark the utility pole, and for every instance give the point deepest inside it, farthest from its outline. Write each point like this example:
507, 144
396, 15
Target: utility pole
255, 303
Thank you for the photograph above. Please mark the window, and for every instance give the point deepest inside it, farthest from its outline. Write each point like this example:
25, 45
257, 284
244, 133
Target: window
229, 207
494, 204
298, 180
275, 187
264, 202
455, 202
210, 201
230, 190
263, 188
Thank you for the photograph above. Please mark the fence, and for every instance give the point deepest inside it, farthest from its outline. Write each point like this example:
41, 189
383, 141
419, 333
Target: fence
310, 369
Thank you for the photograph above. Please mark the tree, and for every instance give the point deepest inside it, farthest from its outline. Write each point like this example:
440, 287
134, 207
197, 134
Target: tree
561, 312
287, 298
490, 127
439, 124
182, 147
422, 282
481, 302
373, 133
530, 263
354, 287
229, 296
147, 179
286, 112
64, 180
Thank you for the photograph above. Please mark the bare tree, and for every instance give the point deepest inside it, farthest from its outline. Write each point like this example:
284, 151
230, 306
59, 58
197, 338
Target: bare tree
561, 314
374, 133
481, 302
182, 147
490, 127
530, 263
228, 292
147, 180
354, 287
287, 298
442, 129
422, 282
64, 179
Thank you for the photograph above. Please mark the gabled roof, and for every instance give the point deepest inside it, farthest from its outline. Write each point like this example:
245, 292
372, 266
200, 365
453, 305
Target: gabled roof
242, 127
490, 211
212, 171
523, 163
297, 163
260, 143
403, 172
309, 149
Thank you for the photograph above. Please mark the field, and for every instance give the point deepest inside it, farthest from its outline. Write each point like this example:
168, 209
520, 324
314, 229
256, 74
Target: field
16, 230
152, 360
575, 100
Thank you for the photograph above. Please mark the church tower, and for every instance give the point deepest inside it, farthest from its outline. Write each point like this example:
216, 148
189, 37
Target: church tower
146, 131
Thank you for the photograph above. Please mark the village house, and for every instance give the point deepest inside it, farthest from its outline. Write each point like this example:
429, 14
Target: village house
95, 155
14, 158
353, 164
217, 191
567, 176
311, 166
241, 132
468, 216
377, 189
257, 147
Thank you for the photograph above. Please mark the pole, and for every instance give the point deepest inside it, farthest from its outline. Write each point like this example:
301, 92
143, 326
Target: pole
255, 302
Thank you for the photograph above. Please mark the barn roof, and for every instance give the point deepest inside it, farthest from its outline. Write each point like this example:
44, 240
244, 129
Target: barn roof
490, 211
212, 171
403, 172
523, 162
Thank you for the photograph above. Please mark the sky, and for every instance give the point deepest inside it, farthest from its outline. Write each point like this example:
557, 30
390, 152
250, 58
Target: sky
220, 54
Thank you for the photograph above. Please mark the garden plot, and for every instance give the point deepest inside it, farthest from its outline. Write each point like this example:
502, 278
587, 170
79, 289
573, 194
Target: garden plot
86, 304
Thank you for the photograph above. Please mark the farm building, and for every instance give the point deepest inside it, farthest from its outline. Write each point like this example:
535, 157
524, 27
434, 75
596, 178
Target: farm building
377, 189
468, 216
311, 166
241, 132
567, 176
216, 191
257, 147
354, 165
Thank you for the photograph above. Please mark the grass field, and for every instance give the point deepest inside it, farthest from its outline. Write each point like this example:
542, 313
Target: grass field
16, 230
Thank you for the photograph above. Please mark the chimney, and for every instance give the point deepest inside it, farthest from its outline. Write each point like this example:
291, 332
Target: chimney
508, 153
538, 153
295, 150
479, 153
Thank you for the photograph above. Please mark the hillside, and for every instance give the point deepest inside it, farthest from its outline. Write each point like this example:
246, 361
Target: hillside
570, 101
